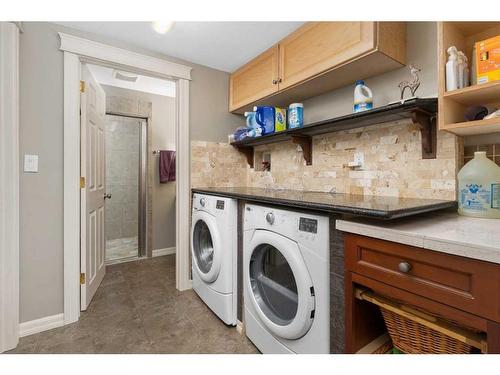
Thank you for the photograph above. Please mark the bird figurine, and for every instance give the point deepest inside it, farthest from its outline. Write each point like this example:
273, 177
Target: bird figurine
413, 85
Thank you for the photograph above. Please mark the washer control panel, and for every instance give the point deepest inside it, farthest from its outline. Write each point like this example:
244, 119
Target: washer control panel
219, 205
308, 225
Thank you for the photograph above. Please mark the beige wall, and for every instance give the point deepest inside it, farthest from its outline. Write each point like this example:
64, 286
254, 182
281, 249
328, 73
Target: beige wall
41, 194
41, 133
162, 138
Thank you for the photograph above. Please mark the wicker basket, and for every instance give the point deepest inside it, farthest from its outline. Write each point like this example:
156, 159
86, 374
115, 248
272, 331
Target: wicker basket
416, 332
412, 337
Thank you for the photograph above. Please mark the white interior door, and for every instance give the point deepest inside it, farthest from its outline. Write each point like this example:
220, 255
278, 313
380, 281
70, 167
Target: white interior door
93, 195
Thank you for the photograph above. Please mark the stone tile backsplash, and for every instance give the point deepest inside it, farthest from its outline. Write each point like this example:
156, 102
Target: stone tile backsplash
393, 164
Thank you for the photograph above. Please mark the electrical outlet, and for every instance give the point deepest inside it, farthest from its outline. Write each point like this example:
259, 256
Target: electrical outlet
359, 158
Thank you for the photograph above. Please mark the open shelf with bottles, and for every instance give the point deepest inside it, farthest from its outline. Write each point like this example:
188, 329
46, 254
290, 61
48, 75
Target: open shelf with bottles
421, 111
453, 104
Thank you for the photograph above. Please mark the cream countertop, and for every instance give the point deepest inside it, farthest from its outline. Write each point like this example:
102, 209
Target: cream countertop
446, 232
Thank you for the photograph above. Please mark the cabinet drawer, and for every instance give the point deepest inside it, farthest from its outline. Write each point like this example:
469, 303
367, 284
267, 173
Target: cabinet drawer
463, 283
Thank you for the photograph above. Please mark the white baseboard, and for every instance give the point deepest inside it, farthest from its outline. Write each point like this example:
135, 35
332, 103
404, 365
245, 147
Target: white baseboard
39, 325
165, 251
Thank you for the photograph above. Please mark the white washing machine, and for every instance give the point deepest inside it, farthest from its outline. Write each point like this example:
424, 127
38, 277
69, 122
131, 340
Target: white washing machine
213, 247
286, 280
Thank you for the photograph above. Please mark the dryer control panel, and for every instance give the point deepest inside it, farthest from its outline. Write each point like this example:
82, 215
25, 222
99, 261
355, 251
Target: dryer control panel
308, 225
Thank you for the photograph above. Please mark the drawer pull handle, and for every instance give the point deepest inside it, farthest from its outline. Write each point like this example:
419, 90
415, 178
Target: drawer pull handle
404, 267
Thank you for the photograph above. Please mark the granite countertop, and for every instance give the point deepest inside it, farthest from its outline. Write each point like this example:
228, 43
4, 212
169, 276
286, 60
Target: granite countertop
358, 205
446, 232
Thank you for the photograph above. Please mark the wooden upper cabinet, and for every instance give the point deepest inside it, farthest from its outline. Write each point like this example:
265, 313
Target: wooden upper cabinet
320, 46
255, 80
316, 58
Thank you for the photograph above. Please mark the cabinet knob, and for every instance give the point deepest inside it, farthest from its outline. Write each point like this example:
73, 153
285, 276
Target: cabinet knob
275, 81
404, 267
279, 80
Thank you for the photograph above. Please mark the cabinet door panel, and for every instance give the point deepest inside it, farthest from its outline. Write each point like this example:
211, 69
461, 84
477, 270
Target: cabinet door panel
255, 80
319, 46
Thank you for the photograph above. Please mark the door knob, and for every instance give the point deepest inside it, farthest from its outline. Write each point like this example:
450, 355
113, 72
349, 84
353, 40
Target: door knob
404, 267
107, 196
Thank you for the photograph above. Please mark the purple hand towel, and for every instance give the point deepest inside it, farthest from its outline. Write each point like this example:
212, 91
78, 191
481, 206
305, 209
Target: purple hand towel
167, 166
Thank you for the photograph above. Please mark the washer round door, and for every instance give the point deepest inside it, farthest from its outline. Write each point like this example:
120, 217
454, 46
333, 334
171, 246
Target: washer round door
205, 246
279, 285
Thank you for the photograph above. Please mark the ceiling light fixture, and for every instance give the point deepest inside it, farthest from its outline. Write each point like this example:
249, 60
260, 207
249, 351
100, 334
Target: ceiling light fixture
162, 27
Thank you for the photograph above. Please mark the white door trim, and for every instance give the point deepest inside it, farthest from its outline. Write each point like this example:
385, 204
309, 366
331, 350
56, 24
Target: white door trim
98, 52
9, 186
183, 189
78, 50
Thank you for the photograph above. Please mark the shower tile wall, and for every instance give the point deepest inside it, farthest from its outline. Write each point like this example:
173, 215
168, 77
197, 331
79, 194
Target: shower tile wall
122, 176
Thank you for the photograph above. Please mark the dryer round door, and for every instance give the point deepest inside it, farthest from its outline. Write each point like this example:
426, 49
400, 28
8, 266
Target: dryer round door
279, 285
205, 246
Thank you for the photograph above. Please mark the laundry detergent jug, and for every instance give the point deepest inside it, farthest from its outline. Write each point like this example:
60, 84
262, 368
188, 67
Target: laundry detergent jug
363, 97
265, 118
479, 188
253, 128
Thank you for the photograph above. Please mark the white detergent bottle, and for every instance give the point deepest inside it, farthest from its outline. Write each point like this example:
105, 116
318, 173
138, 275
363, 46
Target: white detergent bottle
363, 97
479, 188
460, 69
452, 69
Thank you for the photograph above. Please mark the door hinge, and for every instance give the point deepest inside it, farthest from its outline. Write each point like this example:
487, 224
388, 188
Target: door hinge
82, 86
82, 182
82, 278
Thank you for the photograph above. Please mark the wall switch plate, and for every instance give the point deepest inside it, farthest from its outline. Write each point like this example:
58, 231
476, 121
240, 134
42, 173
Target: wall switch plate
31, 163
359, 160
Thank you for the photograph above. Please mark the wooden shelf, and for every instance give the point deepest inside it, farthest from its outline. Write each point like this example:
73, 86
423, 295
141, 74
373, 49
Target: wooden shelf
475, 95
474, 127
453, 104
421, 111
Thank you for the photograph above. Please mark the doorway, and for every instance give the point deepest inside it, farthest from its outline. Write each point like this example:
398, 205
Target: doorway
126, 187
76, 52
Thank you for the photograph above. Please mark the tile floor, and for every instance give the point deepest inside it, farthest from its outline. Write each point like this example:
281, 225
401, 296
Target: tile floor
138, 310
121, 248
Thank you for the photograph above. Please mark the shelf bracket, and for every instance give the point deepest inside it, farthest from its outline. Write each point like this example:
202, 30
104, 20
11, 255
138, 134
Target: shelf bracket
305, 142
248, 152
427, 124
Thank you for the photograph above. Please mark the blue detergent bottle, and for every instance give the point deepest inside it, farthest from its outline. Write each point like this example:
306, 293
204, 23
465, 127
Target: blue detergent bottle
265, 118
363, 97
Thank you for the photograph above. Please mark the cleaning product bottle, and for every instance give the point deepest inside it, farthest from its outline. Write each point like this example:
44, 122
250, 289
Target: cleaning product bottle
265, 118
466, 72
253, 128
460, 69
363, 97
452, 69
295, 115
479, 188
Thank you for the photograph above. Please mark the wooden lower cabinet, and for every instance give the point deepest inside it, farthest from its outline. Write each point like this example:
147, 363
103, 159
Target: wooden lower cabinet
463, 291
